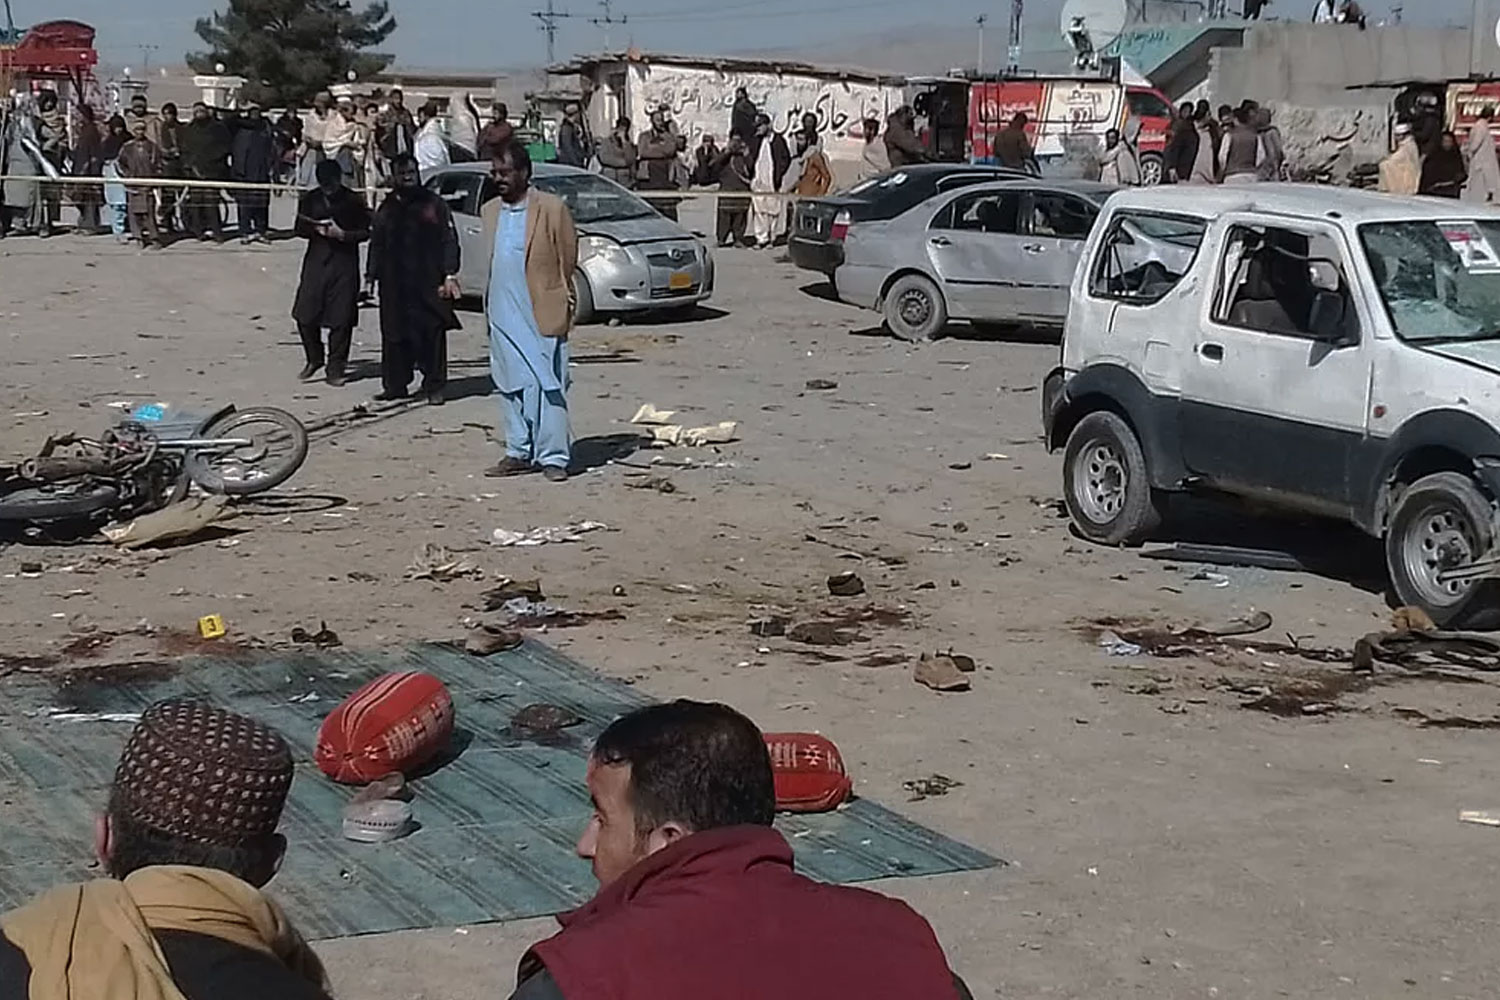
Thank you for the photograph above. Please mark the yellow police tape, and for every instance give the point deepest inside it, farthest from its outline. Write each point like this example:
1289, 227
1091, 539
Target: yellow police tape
183, 183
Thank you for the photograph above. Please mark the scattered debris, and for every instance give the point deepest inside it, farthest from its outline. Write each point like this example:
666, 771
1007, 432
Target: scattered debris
883, 660
960, 466
538, 614
1412, 619
60, 715
1115, 646
940, 673
1226, 555
619, 591
178, 522
1479, 817
542, 719
1429, 650
846, 584
696, 437
434, 562
392, 786
821, 384
660, 484
923, 788
650, 415
996, 456
822, 633
1208, 576
1173, 708
323, 638
768, 628
488, 640
1256, 621
508, 590
31, 570
359, 576
554, 534
1444, 721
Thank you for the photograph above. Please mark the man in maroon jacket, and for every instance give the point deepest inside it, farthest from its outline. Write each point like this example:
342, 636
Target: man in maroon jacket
697, 896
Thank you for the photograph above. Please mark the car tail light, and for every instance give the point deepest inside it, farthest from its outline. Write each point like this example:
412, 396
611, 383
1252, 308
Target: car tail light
840, 227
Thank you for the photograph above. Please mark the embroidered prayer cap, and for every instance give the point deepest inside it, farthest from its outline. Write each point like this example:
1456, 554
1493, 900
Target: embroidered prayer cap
204, 775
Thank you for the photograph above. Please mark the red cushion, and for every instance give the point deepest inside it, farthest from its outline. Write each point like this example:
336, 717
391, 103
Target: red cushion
397, 722
809, 772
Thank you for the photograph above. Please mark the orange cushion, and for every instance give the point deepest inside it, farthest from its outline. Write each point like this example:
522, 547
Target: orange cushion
397, 722
809, 772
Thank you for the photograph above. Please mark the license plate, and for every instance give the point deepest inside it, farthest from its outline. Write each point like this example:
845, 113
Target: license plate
680, 280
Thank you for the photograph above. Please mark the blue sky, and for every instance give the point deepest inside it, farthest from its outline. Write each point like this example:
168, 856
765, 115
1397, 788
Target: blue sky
486, 34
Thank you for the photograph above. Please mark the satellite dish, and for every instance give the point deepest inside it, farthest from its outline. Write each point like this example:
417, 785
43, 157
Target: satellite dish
1090, 26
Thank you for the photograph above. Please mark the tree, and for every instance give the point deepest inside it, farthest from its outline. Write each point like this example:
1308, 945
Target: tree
288, 50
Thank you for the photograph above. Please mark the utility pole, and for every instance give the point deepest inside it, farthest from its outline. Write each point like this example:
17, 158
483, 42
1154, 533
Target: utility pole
979, 67
1013, 50
549, 18
146, 51
608, 19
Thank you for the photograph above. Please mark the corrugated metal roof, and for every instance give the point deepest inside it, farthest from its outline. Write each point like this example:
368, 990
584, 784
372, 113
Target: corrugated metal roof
730, 64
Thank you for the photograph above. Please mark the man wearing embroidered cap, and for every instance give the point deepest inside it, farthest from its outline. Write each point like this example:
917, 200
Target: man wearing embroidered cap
188, 839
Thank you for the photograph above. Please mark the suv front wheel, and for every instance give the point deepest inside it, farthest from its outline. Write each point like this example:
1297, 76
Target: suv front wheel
1442, 522
1107, 484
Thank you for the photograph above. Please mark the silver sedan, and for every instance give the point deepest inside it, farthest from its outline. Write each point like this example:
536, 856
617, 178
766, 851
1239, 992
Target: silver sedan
1001, 252
631, 258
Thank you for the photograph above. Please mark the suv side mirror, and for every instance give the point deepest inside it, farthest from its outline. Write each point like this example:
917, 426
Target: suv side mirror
1326, 318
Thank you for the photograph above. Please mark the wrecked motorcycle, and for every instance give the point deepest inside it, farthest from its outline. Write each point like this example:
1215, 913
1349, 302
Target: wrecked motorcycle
145, 463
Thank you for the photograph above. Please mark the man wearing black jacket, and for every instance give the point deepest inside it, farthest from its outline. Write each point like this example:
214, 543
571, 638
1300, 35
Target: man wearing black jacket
181, 912
206, 147
334, 221
1181, 153
414, 258
253, 158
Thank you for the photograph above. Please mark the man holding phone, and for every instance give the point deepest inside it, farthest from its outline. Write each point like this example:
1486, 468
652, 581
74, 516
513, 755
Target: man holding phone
334, 221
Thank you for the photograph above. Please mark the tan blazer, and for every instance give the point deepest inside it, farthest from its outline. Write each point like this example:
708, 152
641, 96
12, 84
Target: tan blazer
551, 258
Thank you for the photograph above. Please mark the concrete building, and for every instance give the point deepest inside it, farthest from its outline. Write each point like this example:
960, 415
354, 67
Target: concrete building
699, 93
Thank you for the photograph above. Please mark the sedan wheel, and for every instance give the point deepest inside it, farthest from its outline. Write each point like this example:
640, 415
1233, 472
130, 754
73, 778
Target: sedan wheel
914, 309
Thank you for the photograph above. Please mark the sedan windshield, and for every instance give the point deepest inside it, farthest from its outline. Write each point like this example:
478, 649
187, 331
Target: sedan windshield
593, 199
1439, 280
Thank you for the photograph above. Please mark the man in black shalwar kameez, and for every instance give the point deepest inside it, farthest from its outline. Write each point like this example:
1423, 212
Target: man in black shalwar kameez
334, 221
414, 257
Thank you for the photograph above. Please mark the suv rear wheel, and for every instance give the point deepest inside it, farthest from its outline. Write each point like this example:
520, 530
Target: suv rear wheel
1443, 522
1106, 482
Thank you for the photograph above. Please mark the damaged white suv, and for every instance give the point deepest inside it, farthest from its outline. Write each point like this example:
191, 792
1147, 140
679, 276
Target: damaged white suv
1321, 349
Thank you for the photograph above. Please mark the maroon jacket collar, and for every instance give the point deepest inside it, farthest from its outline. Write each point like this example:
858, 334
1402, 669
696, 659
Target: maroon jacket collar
728, 850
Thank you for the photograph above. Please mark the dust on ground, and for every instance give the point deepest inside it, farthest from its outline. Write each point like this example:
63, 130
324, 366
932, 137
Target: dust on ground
1166, 841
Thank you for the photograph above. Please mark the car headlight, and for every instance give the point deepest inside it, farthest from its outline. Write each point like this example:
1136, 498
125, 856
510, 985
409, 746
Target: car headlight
606, 250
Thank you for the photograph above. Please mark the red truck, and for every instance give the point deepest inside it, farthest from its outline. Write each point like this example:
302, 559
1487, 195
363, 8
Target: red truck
964, 112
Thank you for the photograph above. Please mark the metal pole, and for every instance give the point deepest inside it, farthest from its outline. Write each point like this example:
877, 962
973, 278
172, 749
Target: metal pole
980, 21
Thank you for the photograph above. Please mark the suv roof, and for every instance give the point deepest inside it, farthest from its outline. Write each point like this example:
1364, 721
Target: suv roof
1308, 201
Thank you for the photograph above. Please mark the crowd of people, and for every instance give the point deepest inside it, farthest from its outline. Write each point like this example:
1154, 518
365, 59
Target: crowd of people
753, 167
697, 893
1429, 160
211, 147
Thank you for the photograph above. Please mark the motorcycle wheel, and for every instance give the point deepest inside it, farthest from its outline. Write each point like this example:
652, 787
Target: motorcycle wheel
58, 502
277, 450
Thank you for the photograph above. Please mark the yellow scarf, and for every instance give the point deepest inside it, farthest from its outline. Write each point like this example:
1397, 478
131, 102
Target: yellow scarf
94, 941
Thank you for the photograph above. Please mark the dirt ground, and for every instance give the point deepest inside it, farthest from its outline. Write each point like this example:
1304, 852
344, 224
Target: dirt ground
1163, 840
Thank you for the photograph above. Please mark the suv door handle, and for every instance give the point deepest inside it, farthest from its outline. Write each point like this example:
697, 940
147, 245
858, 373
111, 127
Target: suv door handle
472, 230
941, 241
1033, 248
1211, 352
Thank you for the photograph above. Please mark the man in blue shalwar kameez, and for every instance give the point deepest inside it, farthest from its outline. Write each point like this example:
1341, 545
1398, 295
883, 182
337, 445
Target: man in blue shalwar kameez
529, 308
